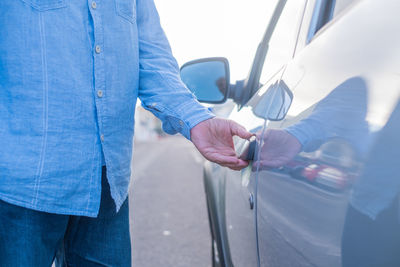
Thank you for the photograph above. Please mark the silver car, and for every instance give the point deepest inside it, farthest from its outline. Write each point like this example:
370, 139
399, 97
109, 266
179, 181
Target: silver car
322, 98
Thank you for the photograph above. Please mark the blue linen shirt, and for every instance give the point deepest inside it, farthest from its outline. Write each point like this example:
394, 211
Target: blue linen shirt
70, 74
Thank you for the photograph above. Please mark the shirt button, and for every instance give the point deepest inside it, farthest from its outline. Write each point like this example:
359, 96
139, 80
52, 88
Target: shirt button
102, 138
94, 5
100, 93
181, 123
98, 49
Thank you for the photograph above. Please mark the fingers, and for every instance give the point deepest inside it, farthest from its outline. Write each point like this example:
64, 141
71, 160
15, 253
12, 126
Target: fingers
224, 159
241, 164
239, 130
231, 162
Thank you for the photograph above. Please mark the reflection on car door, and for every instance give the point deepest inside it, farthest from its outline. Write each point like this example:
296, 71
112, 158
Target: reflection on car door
336, 202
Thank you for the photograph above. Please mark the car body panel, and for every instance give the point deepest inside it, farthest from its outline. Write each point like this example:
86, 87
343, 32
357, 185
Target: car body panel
301, 224
301, 215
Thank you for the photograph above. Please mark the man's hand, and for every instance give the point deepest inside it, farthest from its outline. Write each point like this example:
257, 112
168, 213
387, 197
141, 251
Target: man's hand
213, 139
278, 148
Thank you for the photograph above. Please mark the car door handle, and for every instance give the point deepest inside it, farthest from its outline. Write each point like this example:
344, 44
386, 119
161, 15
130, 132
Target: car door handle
251, 201
249, 151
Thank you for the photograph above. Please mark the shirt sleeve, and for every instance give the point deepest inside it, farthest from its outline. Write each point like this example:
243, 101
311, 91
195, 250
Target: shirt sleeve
161, 90
341, 114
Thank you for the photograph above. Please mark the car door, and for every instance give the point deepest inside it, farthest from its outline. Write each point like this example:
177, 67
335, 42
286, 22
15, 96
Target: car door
240, 187
336, 201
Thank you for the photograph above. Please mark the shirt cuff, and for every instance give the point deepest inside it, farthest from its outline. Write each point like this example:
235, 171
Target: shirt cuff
307, 132
192, 113
298, 134
183, 119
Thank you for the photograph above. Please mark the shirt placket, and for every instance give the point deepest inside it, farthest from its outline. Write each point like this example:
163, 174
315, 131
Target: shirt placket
99, 63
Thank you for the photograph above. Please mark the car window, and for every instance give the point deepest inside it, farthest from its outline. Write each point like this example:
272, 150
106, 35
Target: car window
283, 39
324, 11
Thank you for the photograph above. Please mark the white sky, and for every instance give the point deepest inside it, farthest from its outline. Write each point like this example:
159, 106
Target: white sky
208, 28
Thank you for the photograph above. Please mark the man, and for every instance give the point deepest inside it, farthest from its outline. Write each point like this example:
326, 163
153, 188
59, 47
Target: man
70, 73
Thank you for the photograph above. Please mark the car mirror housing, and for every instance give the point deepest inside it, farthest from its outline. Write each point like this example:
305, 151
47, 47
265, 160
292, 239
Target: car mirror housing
208, 79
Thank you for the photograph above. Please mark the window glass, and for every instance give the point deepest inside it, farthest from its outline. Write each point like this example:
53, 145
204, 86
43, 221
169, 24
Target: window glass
323, 11
283, 39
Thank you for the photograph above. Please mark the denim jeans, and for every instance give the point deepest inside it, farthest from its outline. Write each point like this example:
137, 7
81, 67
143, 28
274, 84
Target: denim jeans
33, 238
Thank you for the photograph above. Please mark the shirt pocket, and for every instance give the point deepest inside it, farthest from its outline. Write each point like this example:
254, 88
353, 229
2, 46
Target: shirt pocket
43, 5
126, 9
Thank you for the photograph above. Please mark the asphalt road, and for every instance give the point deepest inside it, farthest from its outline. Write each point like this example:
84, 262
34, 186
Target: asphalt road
169, 225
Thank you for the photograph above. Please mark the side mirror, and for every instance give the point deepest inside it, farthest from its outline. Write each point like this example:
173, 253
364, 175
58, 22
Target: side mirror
274, 104
207, 78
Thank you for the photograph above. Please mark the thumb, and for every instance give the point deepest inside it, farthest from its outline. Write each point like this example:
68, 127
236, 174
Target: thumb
239, 130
